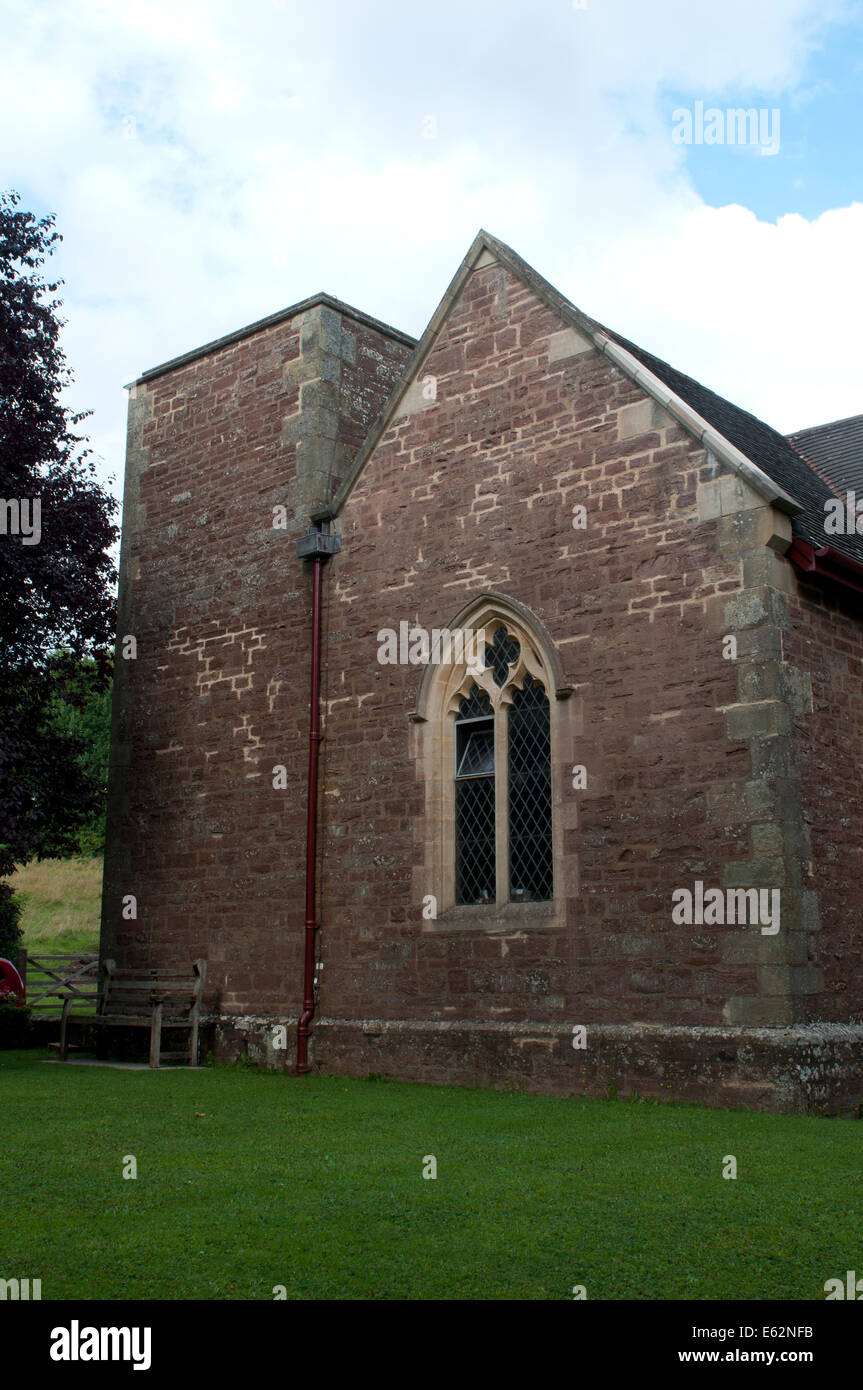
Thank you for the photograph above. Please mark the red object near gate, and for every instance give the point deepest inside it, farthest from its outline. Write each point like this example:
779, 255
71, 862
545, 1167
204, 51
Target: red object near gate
11, 983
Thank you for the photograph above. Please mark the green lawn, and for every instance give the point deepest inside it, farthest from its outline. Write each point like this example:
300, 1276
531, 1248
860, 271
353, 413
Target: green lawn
247, 1180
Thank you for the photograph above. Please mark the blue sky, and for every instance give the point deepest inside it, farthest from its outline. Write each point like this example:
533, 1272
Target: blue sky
820, 161
210, 163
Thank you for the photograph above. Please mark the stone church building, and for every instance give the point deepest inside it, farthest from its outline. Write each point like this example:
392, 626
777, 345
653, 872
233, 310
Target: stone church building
577, 804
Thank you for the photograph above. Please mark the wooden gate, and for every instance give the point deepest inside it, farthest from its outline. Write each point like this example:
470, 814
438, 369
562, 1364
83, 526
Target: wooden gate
51, 980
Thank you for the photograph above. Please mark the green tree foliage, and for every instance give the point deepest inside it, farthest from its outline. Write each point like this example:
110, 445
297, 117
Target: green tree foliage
55, 592
10, 914
86, 720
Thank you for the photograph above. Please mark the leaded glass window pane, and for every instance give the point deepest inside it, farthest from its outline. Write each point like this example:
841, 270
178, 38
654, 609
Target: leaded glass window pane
475, 856
474, 800
476, 705
531, 876
477, 754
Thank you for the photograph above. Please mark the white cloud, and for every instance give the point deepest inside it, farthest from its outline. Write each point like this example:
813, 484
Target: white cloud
279, 150
766, 314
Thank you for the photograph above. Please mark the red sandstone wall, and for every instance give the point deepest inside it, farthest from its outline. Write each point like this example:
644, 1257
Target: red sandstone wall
472, 494
219, 606
476, 494
827, 641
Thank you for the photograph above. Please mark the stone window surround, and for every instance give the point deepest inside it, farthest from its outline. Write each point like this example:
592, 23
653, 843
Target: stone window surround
433, 746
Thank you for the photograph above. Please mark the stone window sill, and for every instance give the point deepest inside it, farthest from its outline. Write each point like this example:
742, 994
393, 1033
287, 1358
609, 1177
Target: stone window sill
496, 917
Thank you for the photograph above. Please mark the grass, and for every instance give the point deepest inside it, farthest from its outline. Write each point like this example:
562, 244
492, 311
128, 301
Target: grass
62, 902
248, 1180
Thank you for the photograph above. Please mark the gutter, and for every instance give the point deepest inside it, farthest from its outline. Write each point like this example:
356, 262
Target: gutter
826, 563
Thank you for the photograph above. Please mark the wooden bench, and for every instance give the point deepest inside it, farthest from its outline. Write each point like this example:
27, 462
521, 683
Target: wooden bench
155, 1000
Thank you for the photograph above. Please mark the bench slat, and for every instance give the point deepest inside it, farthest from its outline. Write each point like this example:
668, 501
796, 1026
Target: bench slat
147, 986
125, 1020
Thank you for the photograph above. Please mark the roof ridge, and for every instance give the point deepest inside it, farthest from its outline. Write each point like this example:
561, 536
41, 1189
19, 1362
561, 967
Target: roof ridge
259, 326
829, 425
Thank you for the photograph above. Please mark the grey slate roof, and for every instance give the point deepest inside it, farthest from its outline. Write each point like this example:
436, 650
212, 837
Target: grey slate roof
835, 451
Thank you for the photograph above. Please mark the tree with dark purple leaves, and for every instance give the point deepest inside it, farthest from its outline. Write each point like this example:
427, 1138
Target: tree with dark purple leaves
56, 571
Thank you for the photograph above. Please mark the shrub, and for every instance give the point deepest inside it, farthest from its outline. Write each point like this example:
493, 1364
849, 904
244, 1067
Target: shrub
16, 1027
10, 922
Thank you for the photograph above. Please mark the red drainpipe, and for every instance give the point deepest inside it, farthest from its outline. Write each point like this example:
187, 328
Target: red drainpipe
316, 546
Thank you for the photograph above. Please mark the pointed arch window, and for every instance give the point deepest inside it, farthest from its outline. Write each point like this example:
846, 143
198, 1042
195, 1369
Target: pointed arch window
494, 732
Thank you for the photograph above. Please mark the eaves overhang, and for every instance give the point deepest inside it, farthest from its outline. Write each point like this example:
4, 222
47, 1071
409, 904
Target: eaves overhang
826, 563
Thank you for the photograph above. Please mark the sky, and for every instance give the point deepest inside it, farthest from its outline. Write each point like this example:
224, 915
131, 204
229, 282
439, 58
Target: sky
211, 162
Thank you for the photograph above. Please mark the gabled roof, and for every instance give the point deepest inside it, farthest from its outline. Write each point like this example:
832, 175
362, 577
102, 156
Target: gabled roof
765, 459
835, 451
